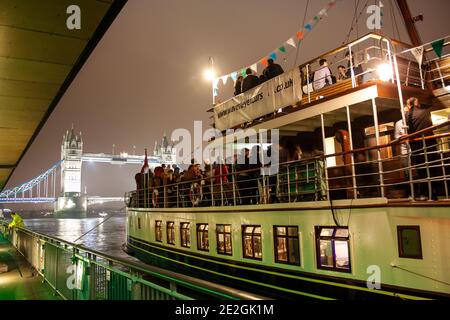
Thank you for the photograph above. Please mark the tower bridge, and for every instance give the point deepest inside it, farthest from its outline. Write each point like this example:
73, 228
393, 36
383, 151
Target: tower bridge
68, 198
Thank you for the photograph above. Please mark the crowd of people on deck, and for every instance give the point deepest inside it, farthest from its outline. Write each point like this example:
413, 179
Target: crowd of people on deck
239, 180
320, 78
232, 182
250, 81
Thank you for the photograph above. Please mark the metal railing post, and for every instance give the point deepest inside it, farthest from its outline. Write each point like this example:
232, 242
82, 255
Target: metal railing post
349, 124
288, 183
325, 157
444, 174
440, 74
234, 184
307, 83
424, 145
211, 176
377, 136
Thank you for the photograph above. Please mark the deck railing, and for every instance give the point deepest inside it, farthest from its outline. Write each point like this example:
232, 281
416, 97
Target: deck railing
79, 273
412, 167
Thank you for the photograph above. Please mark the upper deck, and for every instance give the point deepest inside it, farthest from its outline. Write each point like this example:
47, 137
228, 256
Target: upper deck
377, 67
352, 135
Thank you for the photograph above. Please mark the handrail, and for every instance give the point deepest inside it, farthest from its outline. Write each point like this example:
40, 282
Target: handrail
180, 193
335, 51
182, 279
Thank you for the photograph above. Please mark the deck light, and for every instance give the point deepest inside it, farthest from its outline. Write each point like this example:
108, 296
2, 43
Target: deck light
209, 74
384, 72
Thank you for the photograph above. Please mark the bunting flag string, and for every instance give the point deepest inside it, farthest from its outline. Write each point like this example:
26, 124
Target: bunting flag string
282, 48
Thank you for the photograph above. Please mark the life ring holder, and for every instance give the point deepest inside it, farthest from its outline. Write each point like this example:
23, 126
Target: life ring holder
196, 193
155, 197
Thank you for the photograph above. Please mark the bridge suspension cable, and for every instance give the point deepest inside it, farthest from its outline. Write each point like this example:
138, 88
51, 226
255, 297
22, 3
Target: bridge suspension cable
35, 182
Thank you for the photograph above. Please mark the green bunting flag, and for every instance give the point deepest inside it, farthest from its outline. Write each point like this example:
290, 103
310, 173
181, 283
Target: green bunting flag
437, 47
243, 72
282, 49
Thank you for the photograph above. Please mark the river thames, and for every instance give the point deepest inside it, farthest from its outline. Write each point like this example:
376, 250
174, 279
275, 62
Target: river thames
106, 234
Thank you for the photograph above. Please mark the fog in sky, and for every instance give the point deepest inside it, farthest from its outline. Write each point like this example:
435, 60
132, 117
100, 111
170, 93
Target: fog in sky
146, 74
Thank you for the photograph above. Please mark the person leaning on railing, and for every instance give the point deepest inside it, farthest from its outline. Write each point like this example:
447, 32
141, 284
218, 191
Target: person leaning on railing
419, 118
17, 221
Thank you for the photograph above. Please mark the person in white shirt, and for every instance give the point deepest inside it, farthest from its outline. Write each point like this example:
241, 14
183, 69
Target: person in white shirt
322, 76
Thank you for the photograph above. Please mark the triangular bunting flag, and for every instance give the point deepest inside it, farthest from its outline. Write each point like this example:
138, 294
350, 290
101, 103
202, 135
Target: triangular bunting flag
273, 56
437, 47
299, 35
224, 79
243, 72
282, 49
418, 54
233, 76
308, 26
254, 67
291, 42
264, 62
322, 12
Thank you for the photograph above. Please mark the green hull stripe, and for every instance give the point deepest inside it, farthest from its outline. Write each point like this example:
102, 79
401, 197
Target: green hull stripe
347, 286
237, 278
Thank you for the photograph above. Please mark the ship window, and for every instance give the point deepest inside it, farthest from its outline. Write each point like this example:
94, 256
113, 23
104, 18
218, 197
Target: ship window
286, 244
332, 248
251, 240
158, 231
409, 243
202, 237
223, 232
171, 232
185, 234
139, 223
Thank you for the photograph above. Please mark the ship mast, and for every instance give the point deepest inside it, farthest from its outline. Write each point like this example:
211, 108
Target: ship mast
409, 22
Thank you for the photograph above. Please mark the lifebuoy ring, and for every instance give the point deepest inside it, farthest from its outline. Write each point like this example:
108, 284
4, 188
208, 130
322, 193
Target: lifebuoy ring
195, 193
155, 197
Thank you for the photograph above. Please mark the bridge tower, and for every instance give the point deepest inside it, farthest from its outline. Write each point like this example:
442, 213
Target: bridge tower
71, 203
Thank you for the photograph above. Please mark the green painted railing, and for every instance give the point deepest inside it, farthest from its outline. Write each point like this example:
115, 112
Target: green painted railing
79, 273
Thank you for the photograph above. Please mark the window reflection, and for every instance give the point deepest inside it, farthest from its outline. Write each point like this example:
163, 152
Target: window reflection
333, 248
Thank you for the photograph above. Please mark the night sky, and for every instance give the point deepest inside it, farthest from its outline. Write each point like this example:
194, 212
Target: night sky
146, 74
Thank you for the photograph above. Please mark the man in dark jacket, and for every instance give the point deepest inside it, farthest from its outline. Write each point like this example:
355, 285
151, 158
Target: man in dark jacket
419, 118
250, 81
238, 86
272, 70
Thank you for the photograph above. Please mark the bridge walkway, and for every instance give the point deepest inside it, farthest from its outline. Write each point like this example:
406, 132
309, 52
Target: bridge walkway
21, 281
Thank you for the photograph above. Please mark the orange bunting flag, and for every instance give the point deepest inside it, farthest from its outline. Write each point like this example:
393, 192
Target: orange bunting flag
299, 35
264, 62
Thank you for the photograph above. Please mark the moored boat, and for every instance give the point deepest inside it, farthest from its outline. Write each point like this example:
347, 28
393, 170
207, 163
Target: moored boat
364, 214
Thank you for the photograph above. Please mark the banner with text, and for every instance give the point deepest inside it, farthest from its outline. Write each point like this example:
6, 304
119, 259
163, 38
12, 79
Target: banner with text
279, 92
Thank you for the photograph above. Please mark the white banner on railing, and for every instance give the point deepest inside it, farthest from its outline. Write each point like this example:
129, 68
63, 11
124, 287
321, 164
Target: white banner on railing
268, 97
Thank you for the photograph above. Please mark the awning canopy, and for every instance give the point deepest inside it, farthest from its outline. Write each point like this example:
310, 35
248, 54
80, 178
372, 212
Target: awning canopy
39, 58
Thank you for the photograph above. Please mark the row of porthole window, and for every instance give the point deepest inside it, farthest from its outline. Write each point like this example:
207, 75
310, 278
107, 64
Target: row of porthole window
332, 243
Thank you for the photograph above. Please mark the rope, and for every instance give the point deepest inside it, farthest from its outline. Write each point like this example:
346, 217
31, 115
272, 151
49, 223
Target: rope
353, 20
299, 40
95, 227
421, 275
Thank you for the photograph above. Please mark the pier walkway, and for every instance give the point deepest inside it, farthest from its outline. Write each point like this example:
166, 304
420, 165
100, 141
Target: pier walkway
21, 281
